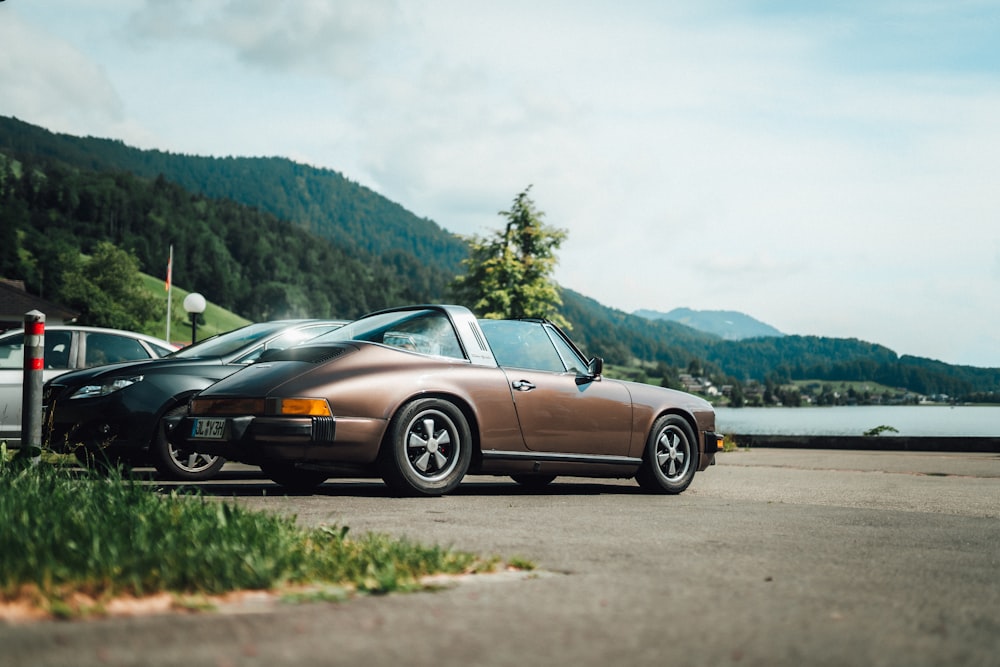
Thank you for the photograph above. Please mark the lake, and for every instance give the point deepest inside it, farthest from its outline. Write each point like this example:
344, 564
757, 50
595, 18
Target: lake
909, 420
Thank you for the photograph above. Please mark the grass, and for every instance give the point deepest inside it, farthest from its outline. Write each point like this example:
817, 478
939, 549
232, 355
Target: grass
68, 535
217, 319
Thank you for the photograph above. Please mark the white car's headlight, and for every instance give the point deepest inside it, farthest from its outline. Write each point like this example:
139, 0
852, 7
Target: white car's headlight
109, 387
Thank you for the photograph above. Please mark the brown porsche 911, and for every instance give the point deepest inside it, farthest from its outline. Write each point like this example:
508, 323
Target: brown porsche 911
423, 395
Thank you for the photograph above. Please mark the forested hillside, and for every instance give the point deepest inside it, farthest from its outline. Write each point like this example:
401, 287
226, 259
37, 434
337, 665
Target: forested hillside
266, 238
318, 200
241, 258
786, 358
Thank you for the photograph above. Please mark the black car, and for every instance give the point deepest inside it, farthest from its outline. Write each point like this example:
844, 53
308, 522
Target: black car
113, 413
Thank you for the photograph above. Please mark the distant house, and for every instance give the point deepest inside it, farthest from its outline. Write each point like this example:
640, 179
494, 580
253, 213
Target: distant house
15, 302
698, 385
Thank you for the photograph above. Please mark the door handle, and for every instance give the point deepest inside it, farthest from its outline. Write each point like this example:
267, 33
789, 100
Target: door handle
522, 385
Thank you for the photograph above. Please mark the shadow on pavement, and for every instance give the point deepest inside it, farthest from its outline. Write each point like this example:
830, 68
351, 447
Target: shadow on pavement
363, 488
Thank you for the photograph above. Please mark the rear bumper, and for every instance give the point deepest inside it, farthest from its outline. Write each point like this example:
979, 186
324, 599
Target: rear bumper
251, 439
713, 445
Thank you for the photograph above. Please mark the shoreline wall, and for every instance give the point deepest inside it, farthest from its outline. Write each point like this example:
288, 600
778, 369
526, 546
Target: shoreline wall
873, 443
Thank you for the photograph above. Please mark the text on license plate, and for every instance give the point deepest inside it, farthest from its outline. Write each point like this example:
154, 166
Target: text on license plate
208, 428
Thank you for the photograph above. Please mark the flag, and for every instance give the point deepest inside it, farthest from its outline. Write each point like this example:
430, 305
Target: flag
170, 268
170, 295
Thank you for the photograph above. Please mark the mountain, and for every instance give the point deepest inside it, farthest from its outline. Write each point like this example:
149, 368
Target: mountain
727, 324
267, 237
321, 201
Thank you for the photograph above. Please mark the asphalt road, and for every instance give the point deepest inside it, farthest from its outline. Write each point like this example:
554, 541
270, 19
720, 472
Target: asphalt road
772, 557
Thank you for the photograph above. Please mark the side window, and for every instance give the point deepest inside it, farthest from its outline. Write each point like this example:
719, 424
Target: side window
570, 358
12, 352
57, 344
159, 349
540, 353
522, 345
105, 348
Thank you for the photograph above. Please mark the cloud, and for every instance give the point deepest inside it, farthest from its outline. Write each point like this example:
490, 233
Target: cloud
47, 81
828, 168
312, 36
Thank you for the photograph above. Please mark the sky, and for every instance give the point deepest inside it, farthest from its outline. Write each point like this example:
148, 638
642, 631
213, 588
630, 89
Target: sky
829, 168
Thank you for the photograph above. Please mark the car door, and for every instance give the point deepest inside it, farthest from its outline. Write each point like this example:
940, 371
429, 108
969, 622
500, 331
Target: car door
58, 349
559, 408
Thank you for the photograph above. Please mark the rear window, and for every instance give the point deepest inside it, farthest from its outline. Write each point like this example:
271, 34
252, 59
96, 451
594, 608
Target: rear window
424, 331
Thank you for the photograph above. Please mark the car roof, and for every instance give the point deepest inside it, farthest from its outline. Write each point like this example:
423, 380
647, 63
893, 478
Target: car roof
83, 328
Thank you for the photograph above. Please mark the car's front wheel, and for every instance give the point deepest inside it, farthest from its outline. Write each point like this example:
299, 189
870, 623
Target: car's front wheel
181, 463
671, 456
428, 449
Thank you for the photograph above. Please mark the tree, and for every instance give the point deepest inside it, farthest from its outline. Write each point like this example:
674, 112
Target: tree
508, 274
107, 290
736, 397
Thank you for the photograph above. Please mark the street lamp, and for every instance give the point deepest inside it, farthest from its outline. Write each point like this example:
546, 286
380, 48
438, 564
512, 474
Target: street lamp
194, 304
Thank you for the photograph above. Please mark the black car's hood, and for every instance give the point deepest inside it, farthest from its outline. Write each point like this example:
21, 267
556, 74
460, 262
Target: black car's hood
143, 367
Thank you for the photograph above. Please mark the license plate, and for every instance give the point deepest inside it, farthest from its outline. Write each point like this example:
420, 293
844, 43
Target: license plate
209, 429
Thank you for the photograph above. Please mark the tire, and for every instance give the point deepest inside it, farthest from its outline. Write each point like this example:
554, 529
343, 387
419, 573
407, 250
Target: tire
185, 465
428, 450
533, 482
292, 478
671, 457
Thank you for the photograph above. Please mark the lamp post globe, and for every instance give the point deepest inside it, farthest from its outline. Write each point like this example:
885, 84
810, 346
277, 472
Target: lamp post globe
194, 304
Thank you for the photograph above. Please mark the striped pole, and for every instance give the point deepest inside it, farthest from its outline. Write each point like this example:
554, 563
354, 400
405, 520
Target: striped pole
31, 405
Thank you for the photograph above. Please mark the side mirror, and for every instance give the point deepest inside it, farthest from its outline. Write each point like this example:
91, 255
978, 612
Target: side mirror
595, 367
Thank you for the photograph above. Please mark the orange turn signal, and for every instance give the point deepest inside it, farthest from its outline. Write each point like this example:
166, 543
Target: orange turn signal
306, 407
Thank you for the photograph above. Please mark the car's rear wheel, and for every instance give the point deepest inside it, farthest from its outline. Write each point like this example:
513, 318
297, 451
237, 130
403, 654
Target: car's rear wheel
428, 449
530, 481
181, 463
671, 456
291, 477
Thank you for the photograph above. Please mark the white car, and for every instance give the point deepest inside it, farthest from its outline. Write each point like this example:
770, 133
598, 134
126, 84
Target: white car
67, 347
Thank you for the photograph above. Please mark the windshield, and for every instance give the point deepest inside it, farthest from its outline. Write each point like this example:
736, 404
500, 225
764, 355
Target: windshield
229, 342
425, 331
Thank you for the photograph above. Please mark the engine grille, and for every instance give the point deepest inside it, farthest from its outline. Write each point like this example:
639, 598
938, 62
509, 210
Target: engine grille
323, 429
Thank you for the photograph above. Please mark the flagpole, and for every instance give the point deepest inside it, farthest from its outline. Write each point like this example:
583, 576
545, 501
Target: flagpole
170, 288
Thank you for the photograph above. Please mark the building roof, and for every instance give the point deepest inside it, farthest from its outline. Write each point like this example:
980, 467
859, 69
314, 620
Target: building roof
15, 302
